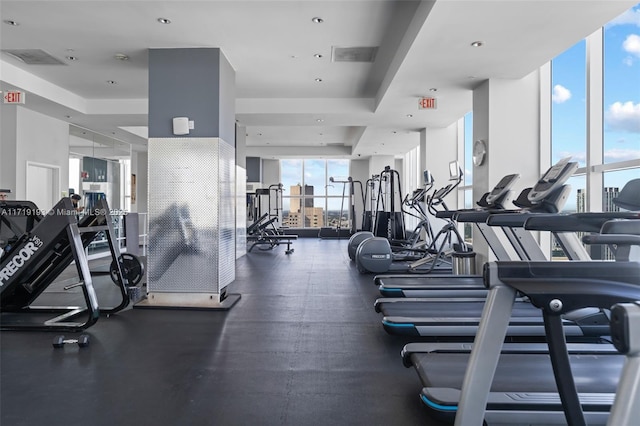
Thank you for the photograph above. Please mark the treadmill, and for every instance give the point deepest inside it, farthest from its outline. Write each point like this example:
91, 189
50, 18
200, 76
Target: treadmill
625, 325
589, 322
561, 386
432, 285
458, 317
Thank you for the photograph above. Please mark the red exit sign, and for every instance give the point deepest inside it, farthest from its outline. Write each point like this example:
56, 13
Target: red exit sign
14, 97
427, 103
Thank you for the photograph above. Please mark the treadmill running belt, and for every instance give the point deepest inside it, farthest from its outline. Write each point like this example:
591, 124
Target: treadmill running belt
592, 373
450, 310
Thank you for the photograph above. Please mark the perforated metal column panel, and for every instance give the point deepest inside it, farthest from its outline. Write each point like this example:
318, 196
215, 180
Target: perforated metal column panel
227, 218
191, 215
241, 212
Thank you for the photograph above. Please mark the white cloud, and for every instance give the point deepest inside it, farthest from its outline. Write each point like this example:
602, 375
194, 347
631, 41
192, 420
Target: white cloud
624, 117
632, 44
560, 94
616, 155
631, 16
628, 61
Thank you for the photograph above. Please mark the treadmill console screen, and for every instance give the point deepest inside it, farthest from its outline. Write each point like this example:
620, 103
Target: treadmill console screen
505, 184
555, 177
454, 170
428, 178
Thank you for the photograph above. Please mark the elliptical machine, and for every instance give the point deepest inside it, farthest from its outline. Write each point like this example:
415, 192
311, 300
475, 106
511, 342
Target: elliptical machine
376, 254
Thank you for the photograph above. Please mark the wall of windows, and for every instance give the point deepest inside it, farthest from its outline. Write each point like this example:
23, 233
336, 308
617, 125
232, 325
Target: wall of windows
599, 127
621, 88
615, 145
310, 198
568, 106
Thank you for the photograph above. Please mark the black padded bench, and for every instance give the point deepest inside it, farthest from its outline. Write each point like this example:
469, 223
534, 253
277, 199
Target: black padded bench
271, 241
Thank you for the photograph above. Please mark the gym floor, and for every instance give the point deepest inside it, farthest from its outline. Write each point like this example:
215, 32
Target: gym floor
303, 346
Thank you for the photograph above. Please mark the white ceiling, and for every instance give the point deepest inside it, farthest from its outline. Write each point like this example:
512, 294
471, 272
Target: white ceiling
358, 108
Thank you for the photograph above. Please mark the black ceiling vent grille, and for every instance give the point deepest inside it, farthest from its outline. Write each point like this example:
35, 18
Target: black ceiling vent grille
33, 56
353, 54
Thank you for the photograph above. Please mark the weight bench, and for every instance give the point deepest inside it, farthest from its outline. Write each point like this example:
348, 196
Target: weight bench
271, 241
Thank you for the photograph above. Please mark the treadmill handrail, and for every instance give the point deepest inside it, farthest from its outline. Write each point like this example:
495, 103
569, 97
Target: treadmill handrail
561, 287
576, 222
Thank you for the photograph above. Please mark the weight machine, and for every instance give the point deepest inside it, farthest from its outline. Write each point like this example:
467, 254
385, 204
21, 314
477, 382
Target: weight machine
389, 218
36, 249
266, 201
348, 192
369, 201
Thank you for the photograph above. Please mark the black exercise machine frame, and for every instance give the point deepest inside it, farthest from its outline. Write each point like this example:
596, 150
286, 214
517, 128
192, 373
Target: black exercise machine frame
42, 253
259, 235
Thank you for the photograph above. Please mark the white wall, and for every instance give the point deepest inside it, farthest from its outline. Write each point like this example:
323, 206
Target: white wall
8, 114
40, 139
506, 114
438, 148
377, 163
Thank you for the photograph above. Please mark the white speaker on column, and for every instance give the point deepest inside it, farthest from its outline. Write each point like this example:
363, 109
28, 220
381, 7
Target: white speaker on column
180, 126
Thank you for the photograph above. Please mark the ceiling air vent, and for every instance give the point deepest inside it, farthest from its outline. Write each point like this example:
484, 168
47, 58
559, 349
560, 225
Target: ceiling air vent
353, 54
33, 56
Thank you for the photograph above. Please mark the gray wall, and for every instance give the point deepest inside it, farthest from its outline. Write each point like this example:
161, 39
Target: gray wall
207, 96
254, 169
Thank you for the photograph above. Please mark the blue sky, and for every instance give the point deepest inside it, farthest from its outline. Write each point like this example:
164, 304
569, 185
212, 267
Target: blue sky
621, 97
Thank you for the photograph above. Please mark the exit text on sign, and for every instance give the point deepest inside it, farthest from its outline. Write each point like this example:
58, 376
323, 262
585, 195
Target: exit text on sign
427, 103
13, 97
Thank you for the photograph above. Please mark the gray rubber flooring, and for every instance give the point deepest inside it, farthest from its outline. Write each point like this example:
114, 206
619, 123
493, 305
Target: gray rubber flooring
303, 346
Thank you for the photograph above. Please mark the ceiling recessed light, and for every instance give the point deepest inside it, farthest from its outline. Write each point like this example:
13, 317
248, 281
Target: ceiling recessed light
409, 115
317, 55
67, 116
319, 120
112, 82
433, 89
72, 58
11, 22
259, 134
121, 57
321, 134
318, 80
394, 132
477, 44
317, 20
164, 20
